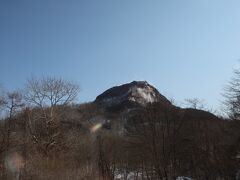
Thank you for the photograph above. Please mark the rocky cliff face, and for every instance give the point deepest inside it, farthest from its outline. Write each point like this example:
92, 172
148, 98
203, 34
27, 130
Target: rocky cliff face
136, 93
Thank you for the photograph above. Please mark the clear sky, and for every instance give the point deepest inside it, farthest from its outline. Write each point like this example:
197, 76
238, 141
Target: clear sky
185, 48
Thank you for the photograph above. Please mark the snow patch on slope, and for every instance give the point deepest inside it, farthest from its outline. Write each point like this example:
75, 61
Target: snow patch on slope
143, 95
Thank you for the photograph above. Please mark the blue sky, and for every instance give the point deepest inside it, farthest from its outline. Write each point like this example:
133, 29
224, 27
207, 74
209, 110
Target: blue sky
185, 48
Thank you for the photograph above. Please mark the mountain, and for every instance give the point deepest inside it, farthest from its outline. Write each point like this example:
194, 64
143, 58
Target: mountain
138, 97
134, 94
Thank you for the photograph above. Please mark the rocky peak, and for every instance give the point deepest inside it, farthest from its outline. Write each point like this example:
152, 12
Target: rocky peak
134, 93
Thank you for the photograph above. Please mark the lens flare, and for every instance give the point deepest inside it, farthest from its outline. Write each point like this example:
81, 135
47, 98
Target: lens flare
96, 127
14, 162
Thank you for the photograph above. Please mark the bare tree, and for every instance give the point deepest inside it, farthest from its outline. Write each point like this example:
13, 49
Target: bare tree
153, 137
13, 103
50, 91
195, 103
2, 100
2, 128
232, 96
46, 95
10, 104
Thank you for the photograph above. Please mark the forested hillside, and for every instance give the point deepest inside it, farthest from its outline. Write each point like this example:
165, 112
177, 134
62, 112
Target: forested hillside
45, 134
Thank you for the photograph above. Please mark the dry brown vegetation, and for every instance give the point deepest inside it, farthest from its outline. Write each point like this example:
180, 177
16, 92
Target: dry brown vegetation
51, 140
158, 143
